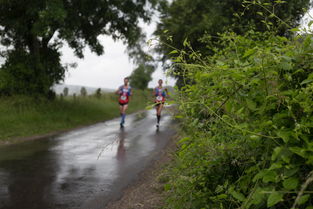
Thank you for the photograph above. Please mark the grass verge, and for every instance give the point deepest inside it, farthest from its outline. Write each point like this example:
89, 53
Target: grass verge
22, 116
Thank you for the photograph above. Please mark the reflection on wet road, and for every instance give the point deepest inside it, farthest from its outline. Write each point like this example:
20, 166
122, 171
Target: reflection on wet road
81, 169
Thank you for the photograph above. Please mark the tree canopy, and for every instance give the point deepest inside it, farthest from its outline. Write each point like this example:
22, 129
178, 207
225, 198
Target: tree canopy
34, 31
141, 76
201, 21
193, 19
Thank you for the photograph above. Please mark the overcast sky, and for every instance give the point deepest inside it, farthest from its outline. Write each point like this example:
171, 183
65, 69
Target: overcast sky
307, 18
108, 70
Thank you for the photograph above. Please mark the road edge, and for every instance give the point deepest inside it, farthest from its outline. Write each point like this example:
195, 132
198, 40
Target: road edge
147, 192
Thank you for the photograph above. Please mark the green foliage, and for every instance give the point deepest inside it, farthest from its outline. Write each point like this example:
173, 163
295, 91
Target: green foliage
98, 93
201, 21
141, 76
247, 114
65, 91
33, 31
83, 91
22, 75
22, 116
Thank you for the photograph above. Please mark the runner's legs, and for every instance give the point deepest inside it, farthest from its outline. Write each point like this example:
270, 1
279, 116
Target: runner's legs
159, 108
123, 109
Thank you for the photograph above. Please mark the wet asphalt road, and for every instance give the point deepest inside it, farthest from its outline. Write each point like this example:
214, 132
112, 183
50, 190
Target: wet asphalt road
82, 169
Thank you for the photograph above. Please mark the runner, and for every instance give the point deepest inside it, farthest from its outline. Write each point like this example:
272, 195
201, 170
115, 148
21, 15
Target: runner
160, 94
125, 92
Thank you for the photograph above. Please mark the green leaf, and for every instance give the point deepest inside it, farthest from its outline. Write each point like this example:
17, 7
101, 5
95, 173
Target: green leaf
295, 30
285, 135
303, 199
291, 183
240, 111
229, 106
237, 195
184, 140
257, 196
185, 43
275, 166
174, 52
274, 198
260, 13
259, 175
221, 196
276, 152
270, 176
299, 151
290, 172
306, 81
167, 187
219, 63
248, 53
251, 104
219, 189
255, 137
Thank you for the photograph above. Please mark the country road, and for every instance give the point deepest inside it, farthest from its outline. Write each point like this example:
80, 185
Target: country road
81, 169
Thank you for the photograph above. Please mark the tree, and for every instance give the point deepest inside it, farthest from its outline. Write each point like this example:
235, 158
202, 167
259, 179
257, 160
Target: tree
193, 19
83, 91
65, 91
200, 21
35, 30
98, 93
141, 76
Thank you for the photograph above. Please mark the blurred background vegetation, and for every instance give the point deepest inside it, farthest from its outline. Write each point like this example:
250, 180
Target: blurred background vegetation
22, 116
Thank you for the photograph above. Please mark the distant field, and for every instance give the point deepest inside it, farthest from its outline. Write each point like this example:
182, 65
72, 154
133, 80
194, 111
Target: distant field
75, 89
23, 117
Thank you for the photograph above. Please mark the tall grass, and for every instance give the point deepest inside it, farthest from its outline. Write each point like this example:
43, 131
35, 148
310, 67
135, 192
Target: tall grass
22, 116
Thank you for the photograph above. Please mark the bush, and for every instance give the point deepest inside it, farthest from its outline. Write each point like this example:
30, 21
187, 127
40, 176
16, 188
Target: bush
247, 117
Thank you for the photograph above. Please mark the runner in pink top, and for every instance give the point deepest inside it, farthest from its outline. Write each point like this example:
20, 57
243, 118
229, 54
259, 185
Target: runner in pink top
124, 93
160, 95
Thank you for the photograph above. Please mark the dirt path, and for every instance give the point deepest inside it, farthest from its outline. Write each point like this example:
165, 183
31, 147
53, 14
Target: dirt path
148, 191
